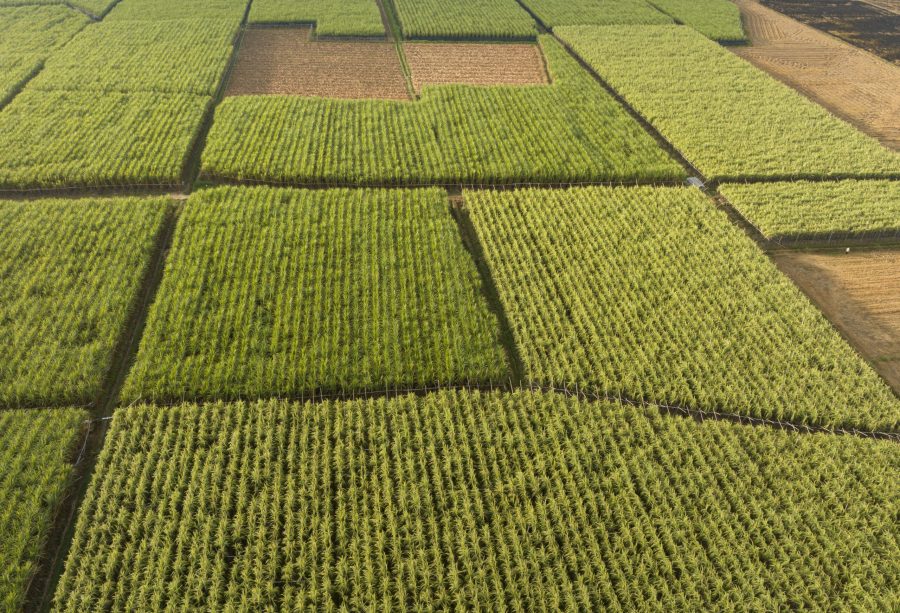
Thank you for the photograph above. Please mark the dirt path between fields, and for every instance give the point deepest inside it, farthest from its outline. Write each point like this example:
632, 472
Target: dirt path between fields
860, 87
859, 292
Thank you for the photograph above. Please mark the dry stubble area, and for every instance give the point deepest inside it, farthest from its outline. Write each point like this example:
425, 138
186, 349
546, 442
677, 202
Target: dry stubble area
475, 64
860, 294
853, 84
285, 61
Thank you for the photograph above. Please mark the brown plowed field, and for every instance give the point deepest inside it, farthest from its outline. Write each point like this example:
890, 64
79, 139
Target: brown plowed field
475, 64
873, 25
851, 83
860, 294
285, 61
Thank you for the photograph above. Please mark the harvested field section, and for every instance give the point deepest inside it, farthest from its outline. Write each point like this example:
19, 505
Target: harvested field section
285, 61
475, 64
865, 25
851, 83
860, 294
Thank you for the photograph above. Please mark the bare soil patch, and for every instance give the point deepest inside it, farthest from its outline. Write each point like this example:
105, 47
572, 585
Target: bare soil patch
286, 61
860, 294
853, 84
873, 25
475, 64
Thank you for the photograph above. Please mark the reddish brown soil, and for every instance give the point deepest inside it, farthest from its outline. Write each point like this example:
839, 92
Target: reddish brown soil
860, 294
285, 61
475, 64
853, 84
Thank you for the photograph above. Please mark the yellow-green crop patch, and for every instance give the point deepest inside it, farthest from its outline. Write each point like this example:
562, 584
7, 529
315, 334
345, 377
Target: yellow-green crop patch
28, 34
468, 501
272, 292
651, 293
465, 20
70, 271
818, 209
71, 138
572, 130
331, 17
717, 19
554, 13
728, 118
35, 450
159, 10
175, 56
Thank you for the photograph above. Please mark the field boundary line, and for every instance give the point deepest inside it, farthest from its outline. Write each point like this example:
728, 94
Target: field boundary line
42, 586
194, 161
511, 386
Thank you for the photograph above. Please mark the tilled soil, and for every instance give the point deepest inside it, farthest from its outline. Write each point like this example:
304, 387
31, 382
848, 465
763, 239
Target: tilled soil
853, 84
860, 294
873, 25
475, 64
285, 61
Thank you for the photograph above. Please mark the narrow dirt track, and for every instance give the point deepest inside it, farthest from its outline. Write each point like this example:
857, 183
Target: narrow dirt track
853, 84
859, 292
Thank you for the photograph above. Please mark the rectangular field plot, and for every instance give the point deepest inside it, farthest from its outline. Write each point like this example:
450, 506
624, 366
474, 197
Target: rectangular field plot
71, 139
70, 271
331, 17
475, 64
467, 501
729, 119
571, 130
157, 10
174, 56
286, 61
818, 210
35, 451
651, 293
273, 292
465, 20
554, 13
860, 294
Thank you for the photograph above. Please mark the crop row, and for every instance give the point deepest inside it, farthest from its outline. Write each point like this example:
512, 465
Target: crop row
160, 10
331, 17
34, 472
177, 56
572, 130
271, 292
465, 19
69, 274
65, 138
651, 293
28, 35
468, 501
804, 209
717, 19
97, 8
728, 118
553, 13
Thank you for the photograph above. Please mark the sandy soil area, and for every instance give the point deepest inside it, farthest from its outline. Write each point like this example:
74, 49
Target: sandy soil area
853, 84
860, 293
475, 64
286, 61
